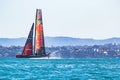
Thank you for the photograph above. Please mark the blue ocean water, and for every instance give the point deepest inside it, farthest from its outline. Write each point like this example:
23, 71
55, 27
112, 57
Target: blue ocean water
60, 69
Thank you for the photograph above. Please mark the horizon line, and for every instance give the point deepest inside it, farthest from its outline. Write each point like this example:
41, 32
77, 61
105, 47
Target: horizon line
64, 37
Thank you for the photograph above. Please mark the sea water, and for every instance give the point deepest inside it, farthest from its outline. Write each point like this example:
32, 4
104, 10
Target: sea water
60, 69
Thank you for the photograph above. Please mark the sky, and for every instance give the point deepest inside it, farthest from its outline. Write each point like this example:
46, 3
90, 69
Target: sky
97, 19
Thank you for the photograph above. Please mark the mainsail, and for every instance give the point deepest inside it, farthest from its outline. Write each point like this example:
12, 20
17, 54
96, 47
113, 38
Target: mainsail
39, 36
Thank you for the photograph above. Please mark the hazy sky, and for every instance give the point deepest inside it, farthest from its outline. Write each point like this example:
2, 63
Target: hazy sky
98, 19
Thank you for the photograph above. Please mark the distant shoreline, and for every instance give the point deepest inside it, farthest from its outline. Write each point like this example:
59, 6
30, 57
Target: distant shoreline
60, 41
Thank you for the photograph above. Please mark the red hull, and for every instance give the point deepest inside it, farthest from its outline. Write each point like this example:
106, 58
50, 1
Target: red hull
30, 56
22, 56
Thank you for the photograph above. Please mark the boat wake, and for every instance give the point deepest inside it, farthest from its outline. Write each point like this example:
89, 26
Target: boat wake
47, 58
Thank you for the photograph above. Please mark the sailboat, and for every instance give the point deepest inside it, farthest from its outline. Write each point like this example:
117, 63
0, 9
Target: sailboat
35, 46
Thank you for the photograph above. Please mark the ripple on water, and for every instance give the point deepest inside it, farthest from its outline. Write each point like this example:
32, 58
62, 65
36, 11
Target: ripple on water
60, 69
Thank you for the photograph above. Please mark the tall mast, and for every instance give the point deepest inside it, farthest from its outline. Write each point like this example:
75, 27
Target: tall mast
35, 31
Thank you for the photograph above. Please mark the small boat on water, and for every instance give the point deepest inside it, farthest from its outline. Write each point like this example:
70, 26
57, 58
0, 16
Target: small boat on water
35, 46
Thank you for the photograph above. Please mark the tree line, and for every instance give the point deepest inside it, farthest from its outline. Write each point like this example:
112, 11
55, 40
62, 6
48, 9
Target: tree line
96, 51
